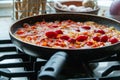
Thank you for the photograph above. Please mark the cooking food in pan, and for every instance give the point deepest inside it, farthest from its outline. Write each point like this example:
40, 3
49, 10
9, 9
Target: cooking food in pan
68, 34
23, 27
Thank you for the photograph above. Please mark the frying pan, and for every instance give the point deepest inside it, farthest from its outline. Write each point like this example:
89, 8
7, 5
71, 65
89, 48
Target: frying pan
73, 54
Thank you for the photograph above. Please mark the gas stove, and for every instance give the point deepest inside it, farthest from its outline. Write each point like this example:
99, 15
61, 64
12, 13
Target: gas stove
16, 65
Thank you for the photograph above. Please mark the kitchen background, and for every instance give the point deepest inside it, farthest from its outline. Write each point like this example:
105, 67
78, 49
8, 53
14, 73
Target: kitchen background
7, 13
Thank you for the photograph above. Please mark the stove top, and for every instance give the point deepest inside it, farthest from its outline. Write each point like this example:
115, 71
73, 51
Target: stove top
15, 65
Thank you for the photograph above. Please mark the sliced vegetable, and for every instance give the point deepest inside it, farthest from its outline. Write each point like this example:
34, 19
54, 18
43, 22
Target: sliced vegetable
86, 27
96, 38
71, 40
51, 34
100, 31
104, 38
113, 40
59, 31
82, 38
65, 37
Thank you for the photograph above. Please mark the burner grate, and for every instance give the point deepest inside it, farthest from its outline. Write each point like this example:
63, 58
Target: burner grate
33, 65
28, 63
111, 69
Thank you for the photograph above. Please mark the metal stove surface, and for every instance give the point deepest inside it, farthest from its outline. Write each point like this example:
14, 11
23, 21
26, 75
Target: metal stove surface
14, 66
11, 58
10, 70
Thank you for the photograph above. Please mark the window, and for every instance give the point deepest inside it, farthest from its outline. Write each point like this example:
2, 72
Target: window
6, 3
6, 7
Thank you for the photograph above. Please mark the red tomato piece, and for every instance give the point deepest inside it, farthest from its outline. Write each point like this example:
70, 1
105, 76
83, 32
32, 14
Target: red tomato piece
71, 40
54, 25
86, 27
82, 38
20, 31
59, 31
96, 38
100, 31
104, 38
33, 27
51, 34
113, 40
89, 43
26, 25
65, 37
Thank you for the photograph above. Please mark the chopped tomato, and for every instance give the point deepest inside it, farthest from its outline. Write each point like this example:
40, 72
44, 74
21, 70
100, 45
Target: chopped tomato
51, 34
20, 31
89, 43
82, 38
53, 26
86, 27
65, 37
113, 40
100, 31
71, 40
104, 38
59, 31
96, 38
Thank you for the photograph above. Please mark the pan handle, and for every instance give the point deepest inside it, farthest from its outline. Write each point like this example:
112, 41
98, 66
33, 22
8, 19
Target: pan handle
53, 67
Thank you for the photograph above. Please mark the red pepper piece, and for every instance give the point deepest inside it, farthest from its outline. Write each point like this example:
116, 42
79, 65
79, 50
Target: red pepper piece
96, 38
20, 31
59, 31
89, 43
104, 38
51, 34
86, 27
82, 38
71, 40
100, 31
113, 40
65, 37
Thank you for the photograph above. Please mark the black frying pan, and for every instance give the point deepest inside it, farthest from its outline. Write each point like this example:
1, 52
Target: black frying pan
76, 54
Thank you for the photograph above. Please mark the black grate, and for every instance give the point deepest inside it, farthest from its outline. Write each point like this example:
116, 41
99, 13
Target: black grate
29, 63
32, 66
